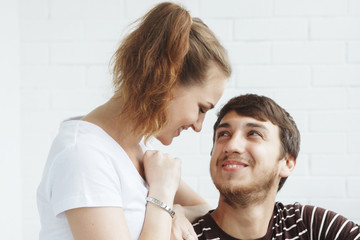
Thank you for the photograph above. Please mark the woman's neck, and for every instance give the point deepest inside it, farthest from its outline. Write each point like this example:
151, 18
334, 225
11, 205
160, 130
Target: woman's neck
117, 126
108, 116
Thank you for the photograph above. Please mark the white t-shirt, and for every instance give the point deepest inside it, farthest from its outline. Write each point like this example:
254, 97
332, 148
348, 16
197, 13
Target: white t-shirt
88, 168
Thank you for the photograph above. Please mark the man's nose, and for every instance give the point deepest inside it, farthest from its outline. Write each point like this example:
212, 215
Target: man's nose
236, 144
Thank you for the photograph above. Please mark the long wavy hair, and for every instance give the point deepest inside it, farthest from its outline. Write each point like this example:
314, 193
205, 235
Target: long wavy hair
168, 48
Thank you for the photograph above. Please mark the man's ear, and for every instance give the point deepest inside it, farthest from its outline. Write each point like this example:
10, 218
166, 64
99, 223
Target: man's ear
287, 165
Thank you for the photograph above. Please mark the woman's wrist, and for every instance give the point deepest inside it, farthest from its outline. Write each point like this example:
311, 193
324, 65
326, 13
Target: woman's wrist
161, 205
161, 194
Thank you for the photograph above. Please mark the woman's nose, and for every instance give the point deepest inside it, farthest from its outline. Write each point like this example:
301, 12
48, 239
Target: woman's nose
197, 126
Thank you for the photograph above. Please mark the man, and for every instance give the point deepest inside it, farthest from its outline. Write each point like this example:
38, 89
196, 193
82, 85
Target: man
255, 146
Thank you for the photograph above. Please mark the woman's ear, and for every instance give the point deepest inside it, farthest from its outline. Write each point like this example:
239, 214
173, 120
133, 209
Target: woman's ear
287, 166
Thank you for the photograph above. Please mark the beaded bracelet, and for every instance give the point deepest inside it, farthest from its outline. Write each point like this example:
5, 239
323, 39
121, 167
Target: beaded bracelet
162, 205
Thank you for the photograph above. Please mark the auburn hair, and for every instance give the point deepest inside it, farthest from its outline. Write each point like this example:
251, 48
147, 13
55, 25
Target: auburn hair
167, 49
265, 109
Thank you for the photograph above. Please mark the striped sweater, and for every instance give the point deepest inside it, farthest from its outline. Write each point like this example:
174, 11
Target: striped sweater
290, 222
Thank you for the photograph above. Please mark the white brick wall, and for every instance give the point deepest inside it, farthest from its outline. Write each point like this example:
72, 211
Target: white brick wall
313, 8
303, 53
309, 52
10, 135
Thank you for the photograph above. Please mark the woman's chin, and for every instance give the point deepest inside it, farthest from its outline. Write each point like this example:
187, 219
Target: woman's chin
164, 141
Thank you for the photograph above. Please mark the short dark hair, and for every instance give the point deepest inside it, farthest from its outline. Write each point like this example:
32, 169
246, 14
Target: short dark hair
265, 109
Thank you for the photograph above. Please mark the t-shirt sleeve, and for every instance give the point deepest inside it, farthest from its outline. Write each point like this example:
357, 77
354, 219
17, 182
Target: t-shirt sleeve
328, 225
83, 176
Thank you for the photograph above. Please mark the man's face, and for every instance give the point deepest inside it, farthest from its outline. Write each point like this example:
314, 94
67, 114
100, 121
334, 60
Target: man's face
245, 157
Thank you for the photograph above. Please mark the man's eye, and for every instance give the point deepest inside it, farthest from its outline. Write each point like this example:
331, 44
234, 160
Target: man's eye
223, 134
202, 110
254, 133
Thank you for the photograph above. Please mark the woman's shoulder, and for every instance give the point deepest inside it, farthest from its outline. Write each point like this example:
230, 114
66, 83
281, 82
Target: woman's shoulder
79, 142
76, 133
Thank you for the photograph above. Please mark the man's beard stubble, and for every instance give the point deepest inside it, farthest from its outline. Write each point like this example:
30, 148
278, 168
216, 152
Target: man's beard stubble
243, 196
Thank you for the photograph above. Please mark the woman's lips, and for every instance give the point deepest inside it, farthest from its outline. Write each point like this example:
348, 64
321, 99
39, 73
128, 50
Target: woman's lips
180, 130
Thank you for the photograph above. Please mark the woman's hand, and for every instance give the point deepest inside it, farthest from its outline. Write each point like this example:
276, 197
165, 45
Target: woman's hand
182, 229
162, 173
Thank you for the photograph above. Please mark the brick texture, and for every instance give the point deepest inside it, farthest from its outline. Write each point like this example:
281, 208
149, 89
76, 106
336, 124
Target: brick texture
305, 54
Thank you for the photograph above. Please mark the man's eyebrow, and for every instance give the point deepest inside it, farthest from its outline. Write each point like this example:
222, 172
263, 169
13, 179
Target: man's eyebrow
223, 125
248, 125
256, 125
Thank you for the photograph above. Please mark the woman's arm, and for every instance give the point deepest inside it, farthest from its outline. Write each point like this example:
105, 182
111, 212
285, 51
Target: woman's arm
90, 223
94, 223
194, 205
109, 223
188, 206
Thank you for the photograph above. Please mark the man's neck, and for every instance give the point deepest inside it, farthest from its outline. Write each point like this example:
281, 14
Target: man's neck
249, 222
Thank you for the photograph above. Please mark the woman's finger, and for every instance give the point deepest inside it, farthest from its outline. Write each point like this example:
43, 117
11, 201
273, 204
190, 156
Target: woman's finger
189, 236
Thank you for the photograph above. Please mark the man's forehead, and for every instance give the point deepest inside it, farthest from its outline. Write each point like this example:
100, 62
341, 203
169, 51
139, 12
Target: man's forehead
233, 117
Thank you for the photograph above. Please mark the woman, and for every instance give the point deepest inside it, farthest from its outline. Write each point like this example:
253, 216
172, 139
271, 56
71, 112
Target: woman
101, 181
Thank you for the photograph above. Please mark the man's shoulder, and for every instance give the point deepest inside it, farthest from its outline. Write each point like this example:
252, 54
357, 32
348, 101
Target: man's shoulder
327, 224
203, 221
284, 211
205, 227
288, 209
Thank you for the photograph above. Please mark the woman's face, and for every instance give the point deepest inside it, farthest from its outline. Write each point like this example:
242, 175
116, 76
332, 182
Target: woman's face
190, 104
